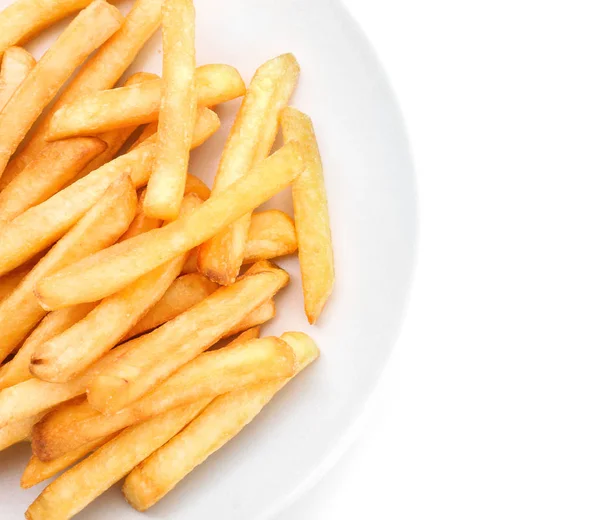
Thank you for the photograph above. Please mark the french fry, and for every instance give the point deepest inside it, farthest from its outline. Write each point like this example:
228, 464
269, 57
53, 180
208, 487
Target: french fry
245, 336
140, 223
115, 139
271, 234
100, 227
90, 29
11, 280
16, 432
69, 427
195, 185
258, 316
17, 369
177, 111
66, 355
23, 19
17, 63
149, 130
37, 470
249, 142
100, 72
40, 226
34, 396
80, 485
57, 164
185, 292
312, 216
135, 105
103, 274
161, 352
218, 423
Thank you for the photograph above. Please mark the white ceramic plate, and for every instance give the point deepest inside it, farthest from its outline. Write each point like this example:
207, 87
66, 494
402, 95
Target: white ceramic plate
372, 203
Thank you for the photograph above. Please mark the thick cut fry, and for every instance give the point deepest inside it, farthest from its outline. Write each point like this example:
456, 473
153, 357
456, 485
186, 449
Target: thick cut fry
249, 142
33, 396
17, 431
17, 63
56, 165
312, 216
115, 139
79, 486
66, 355
271, 234
220, 421
17, 369
90, 28
169, 347
23, 19
37, 470
100, 227
101, 275
217, 371
100, 72
177, 111
110, 109
42, 225
184, 292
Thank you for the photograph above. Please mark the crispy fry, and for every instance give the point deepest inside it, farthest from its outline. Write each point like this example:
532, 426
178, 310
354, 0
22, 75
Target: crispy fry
57, 164
37, 470
100, 72
217, 371
17, 369
169, 347
90, 29
101, 275
312, 216
184, 292
43, 224
115, 139
66, 355
177, 111
141, 223
271, 234
23, 19
249, 142
100, 227
17, 63
17, 431
79, 486
126, 106
220, 421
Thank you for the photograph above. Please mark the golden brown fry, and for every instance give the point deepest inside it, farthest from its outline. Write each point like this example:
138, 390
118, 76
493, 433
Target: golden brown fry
245, 336
110, 109
90, 28
177, 111
141, 223
100, 227
11, 280
184, 292
115, 139
101, 275
312, 216
17, 369
17, 431
271, 234
79, 486
23, 19
249, 142
16, 66
258, 316
100, 72
220, 421
57, 164
169, 347
217, 371
37, 470
45, 223
68, 354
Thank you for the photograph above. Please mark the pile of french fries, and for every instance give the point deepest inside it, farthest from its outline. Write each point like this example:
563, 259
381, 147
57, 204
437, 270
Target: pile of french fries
121, 273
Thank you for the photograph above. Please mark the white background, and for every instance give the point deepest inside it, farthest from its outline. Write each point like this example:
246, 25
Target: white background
489, 407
